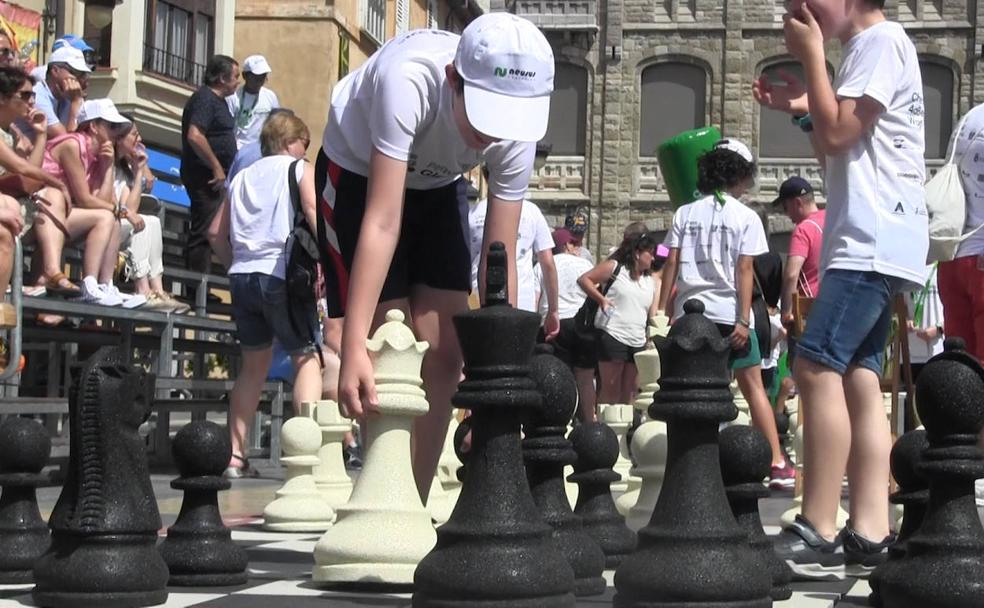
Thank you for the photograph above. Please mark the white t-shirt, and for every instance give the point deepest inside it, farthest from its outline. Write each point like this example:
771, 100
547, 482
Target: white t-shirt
710, 237
262, 216
876, 206
399, 102
626, 320
534, 236
969, 155
250, 112
570, 296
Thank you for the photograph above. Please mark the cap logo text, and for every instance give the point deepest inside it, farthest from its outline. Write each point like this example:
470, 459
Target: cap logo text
503, 72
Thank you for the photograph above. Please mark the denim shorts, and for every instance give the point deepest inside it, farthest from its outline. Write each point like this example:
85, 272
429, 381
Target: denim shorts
850, 320
259, 307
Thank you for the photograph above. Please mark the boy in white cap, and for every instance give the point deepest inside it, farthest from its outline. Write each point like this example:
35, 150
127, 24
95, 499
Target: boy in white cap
253, 102
427, 107
61, 93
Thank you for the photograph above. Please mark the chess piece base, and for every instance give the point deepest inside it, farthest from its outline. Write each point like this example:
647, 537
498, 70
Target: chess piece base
99, 600
19, 550
560, 601
297, 526
208, 580
366, 573
622, 602
204, 560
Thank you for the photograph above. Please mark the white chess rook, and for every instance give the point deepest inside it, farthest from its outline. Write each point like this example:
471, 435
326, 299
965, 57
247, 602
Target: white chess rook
330, 475
299, 506
384, 530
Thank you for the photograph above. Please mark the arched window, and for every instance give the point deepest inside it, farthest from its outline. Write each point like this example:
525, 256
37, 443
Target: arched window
938, 99
778, 136
674, 100
568, 111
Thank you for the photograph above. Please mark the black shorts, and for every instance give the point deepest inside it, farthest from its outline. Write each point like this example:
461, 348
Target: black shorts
610, 349
574, 348
432, 249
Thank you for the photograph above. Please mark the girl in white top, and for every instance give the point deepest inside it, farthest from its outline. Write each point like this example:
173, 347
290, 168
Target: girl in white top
623, 313
713, 244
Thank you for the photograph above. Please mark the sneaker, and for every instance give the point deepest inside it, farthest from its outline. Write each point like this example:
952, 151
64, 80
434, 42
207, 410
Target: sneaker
127, 300
782, 477
177, 306
353, 457
809, 555
157, 303
93, 293
861, 555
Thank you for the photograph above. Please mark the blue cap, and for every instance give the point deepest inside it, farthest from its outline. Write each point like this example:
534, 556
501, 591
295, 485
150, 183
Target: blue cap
791, 188
73, 41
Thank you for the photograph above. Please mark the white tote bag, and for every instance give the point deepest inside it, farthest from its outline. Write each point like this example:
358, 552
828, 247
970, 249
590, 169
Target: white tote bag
946, 204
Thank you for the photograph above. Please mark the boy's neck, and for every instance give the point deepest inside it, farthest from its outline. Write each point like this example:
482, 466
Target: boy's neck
861, 19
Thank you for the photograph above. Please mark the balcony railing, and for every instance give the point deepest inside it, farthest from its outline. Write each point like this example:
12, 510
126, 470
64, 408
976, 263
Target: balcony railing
159, 61
560, 14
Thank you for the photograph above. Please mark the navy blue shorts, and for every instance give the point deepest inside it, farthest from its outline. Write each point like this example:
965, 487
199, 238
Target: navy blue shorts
259, 307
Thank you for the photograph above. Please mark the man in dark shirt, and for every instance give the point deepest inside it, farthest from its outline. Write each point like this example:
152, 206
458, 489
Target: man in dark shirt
208, 133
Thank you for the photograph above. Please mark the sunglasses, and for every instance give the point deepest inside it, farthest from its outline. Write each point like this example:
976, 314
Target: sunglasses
26, 96
7, 53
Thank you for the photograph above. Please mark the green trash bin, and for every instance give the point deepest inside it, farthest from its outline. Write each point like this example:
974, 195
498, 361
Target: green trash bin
677, 158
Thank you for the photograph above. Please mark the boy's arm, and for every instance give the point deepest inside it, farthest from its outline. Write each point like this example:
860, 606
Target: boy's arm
548, 270
794, 264
501, 224
744, 280
670, 269
378, 237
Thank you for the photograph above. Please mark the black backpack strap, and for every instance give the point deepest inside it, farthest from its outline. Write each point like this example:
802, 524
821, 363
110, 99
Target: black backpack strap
611, 279
299, 220
295, 192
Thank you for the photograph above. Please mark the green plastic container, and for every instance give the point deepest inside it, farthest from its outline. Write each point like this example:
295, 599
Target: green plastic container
677, 158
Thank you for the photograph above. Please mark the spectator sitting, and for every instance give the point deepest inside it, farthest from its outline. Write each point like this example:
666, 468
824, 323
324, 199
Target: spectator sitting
62, 92
252, 103
68, 40
260, 218
140, 235
17, 207
85, 160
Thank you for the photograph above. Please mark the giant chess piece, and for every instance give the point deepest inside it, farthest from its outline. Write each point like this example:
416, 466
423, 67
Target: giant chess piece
745, 461
546, 452
648, 444
596, 446
199, 550
495, 551
913, 495
693, 553
104, 525
24, 537
384, 530
445, 486
329, 475
618, 416
299, 506
943, 564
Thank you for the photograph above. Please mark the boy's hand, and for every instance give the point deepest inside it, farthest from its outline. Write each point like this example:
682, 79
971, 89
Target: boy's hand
357, 385
739, 337
804, 40
789, 97
551, 325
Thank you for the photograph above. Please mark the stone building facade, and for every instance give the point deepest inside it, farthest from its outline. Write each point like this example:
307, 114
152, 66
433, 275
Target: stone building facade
632, 72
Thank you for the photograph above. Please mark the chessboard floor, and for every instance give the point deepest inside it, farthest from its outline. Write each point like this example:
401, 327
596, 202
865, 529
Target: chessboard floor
280, 563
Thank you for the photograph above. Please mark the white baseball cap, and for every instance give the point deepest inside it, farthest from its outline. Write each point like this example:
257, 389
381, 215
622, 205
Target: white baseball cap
737, 147
256, 64
101, 108
70, 55
507, 66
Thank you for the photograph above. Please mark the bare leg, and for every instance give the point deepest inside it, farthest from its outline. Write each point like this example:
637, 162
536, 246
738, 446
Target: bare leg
826, 442
51, 239
110, 253
587, 400
629, 382
245, 396
307, 379
868, 465
433, 310
610, 388
763, 418
6, 245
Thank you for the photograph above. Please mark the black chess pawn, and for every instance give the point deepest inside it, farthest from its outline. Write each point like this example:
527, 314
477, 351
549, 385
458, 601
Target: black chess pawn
495, 550
460, 434
596, 446
745, 462
693, 553
943, 565
104, 526
199, 550
913, 495
24, 537
547, 451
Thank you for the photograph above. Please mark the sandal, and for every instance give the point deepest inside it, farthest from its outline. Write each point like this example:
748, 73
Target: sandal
60, 286
246, 470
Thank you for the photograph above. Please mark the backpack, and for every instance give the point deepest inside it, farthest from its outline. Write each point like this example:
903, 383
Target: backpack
946, 204
303, 257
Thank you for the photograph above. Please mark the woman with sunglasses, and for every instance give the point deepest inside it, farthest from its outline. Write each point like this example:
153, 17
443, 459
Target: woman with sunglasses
85, 160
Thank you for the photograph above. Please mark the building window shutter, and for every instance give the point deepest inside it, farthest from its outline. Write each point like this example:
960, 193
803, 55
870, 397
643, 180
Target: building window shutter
402, 16
432, 14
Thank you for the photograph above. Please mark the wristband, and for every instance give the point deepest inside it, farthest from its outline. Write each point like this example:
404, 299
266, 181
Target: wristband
804, 122
744, 323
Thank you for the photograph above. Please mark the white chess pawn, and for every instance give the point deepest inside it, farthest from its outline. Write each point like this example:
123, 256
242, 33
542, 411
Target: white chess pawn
384, 530
618, 417
299, 506
329, 475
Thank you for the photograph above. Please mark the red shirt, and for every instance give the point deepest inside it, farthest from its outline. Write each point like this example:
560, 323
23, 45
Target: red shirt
806, 242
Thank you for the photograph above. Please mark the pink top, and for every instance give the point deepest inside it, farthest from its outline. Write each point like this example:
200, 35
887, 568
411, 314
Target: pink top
806, 242
87, 152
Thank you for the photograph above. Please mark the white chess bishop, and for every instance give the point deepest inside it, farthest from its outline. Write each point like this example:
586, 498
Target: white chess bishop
330, 475
384, 530
299, 506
